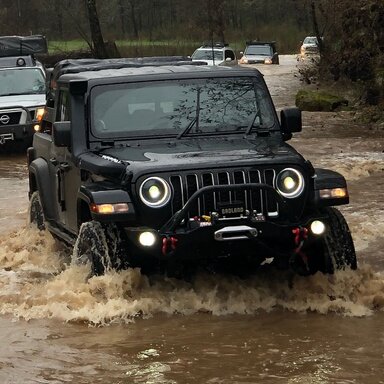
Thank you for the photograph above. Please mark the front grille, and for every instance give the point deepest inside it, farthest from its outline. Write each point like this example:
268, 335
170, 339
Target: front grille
258, 201
10, 118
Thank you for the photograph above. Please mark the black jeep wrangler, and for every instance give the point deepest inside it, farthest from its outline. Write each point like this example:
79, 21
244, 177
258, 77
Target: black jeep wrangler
161, 161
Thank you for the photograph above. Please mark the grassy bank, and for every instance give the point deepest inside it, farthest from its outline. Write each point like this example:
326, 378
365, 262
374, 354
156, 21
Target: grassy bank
132, 48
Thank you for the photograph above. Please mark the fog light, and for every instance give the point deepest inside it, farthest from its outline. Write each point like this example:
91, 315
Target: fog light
36, 127
317, 227
147, 239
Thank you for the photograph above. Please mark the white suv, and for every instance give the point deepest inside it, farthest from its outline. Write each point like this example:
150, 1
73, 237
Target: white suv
215, 54
22, 90
309, 47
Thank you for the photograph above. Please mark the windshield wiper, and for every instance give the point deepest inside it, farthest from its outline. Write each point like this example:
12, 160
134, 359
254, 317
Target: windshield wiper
188, 128
11, 94
251, 126
194, 121
20, 93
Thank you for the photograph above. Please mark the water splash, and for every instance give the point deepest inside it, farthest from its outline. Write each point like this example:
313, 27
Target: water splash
36, 283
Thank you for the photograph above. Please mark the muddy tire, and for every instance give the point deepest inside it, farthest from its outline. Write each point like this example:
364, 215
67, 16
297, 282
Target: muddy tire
100, 245
336, 250
36, 214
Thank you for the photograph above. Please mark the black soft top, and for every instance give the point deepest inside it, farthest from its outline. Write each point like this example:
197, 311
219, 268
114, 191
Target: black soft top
120, 70
73, 66
22, 45
98, 69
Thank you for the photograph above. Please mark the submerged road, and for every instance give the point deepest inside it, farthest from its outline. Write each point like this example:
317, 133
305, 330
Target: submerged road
272, 328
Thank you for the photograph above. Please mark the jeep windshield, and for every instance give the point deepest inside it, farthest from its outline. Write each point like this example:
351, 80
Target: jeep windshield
263, 50
21, 81
180, 108
310, 40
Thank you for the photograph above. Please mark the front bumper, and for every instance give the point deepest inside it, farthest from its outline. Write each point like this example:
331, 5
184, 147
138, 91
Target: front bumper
252, 233
206, 240
16, 131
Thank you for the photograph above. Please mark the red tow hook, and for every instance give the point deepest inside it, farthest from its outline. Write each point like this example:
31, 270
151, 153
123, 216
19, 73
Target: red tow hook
301, 234
169, 245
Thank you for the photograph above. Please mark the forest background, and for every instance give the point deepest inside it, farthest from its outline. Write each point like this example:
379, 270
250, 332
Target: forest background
353, 30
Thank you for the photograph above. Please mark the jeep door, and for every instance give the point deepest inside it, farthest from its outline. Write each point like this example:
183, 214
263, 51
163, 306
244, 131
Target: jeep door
64, 175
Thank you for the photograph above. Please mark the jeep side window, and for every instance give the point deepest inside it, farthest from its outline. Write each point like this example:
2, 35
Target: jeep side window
63, 108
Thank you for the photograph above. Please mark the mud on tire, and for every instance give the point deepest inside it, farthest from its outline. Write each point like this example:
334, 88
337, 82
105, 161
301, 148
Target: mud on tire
336, 250
36, 214
100, 245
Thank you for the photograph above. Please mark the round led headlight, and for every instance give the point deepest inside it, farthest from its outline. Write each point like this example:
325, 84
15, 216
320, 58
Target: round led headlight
290, 183
155, 192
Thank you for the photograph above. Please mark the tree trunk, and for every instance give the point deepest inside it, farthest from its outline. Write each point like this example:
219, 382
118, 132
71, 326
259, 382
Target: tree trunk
316, 27
123, 17
134, 19
59, 17
99, 48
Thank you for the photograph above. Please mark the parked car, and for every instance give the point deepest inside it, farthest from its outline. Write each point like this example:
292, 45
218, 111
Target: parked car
22, 88
309, 47
156, 164
257, 52
215, 54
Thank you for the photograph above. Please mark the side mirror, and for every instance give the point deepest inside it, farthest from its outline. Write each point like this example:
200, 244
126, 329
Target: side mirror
61, 133
290, 121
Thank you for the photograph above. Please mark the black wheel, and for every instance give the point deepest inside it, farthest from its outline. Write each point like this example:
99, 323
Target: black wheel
336, 250
36, 215
100, 245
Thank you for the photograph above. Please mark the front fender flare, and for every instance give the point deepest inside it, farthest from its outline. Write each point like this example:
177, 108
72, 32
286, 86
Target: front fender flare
39, 170
328, 179
107, 196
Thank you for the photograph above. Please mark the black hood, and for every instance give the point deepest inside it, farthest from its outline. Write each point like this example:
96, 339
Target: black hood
167, 156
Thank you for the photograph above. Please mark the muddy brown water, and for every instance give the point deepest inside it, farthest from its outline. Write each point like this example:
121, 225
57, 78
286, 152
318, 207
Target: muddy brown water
271, 328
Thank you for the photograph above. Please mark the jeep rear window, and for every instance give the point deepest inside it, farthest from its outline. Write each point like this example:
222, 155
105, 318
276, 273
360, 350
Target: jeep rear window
21, 81
206, 54
208, 106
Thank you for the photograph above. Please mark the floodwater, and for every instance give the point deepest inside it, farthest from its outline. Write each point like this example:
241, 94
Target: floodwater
272, 328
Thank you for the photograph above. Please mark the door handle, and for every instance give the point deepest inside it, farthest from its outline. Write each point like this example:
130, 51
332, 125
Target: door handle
53, 161
64, 166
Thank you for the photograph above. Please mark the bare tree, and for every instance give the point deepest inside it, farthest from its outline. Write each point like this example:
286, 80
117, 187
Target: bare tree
316, 27
133, 6
99, 47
